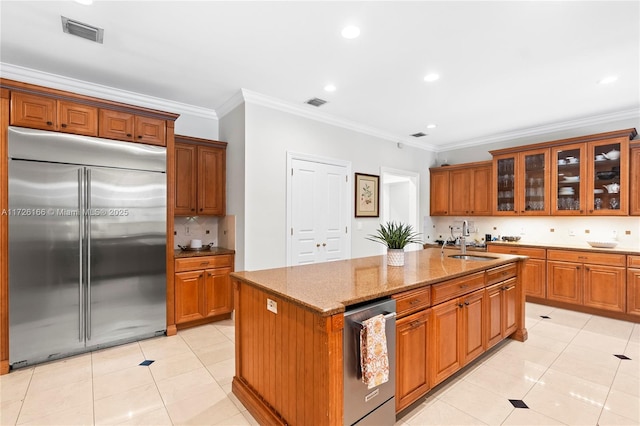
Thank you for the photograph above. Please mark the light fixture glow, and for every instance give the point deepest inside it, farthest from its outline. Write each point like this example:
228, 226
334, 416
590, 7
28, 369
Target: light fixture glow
350, 31
330, 88
431, 77
608, 79
431, 126
85, 2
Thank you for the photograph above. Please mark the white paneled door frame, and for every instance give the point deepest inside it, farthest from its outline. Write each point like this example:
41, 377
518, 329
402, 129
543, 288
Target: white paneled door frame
319, 209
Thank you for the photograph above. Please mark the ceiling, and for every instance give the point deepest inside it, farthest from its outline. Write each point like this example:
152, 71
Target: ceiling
504, 67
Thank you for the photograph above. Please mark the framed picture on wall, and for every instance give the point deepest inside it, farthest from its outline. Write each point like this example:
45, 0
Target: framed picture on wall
367, 195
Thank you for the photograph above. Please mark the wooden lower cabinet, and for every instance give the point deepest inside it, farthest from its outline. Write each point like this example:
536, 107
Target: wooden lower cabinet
472, 326
412, 350
534, 275
203, 288
600, 286
564, 282
633, 291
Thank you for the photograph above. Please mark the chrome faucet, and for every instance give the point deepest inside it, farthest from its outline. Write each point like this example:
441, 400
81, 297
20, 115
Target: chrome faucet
463, 237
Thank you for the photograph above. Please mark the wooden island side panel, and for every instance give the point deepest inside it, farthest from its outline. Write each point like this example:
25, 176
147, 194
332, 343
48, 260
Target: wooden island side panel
289, 363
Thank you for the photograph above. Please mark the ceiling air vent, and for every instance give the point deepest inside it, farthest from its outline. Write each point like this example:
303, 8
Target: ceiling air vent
316, 102
419, 135
79, 29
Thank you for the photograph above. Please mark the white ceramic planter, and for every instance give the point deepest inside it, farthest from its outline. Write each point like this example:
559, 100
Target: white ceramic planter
395, 257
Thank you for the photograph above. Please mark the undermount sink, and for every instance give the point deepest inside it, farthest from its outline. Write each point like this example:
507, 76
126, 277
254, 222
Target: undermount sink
471, 257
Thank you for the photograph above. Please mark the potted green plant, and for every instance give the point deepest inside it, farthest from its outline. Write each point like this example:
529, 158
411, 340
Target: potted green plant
395, 236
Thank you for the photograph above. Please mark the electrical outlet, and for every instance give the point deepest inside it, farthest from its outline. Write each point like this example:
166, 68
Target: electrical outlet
272, 306
187, 231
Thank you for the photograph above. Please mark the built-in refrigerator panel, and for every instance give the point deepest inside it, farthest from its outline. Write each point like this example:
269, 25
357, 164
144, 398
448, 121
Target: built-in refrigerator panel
45, 314
127, 268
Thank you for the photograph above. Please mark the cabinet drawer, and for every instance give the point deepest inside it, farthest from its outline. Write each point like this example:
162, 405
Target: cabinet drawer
203, 262
633, 261
533, 252
501, 273
412, 301
587, 257
456, 287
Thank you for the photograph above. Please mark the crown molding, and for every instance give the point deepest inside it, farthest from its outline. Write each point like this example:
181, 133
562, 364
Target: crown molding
230, 104
28, 75
629, 114
304, 111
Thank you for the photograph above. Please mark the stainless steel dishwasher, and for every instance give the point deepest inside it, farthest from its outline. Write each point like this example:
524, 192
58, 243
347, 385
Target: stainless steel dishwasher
363, 406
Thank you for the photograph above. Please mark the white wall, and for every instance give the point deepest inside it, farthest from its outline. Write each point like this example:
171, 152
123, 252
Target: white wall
232, 131
197, 126
269, 135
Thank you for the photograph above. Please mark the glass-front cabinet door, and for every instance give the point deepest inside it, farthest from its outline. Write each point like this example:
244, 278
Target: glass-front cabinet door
608, 192
505, 178
569, 179
535, 183
522, 183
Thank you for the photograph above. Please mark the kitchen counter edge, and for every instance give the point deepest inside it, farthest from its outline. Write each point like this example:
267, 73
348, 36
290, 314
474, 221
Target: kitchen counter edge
338, 305
615, 250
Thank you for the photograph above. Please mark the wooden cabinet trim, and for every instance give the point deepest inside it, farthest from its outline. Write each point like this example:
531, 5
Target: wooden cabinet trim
456, 287
204, 262
633, 261
412, 301
597, 258
532, 252
625, 133
501, 273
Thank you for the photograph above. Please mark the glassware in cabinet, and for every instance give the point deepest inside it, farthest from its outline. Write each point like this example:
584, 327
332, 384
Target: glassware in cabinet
522, 183
568, 179
608, 192
506, 186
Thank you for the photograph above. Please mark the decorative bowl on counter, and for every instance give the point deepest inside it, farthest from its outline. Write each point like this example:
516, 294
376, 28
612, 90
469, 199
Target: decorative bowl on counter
602, 244
511, 239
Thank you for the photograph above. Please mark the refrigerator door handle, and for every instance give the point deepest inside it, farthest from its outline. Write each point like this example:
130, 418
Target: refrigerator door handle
80, 266
88, 258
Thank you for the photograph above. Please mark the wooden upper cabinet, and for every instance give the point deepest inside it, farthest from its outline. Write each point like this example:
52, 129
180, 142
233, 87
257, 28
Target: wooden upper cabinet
521, 183
439, 192
200, 173
130, 127
41, 112
461, 190
186, 179
634, 185
211, 181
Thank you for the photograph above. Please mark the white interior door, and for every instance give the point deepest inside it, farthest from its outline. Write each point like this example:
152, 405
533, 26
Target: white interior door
318, 194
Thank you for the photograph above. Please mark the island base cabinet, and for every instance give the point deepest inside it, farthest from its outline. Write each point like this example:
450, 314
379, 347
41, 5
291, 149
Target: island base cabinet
458, 334
501, 320
412, 349
288, 363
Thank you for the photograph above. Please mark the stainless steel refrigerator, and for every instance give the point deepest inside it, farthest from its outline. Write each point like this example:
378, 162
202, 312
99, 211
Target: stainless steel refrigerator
87, 244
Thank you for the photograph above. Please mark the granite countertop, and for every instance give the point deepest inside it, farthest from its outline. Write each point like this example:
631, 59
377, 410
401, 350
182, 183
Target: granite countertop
327, 288
583, 247
213, 251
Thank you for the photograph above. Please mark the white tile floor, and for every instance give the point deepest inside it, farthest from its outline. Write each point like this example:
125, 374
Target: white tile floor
566, 373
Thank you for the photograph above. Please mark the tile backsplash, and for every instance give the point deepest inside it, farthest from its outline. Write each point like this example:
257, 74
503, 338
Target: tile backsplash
572, 231
203, 228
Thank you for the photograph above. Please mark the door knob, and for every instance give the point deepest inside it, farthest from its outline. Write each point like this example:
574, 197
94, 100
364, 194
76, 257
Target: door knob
318, 245
324, 244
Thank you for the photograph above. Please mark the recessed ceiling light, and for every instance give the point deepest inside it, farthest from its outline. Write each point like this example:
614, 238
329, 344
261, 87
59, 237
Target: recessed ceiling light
431, 77
431, 126
608, 80
330, 88
350, 31
85, 2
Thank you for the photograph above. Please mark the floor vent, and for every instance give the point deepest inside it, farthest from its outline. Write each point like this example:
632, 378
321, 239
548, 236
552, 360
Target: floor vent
419, 135
79, 29
316, 102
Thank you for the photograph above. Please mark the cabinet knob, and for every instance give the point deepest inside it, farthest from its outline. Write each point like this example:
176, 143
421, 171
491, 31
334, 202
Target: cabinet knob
49, 123
139, 136
463, 286
63, 125
414, 324
200, 276
128, 135
466, 303
193, 210
414, 301
460, 305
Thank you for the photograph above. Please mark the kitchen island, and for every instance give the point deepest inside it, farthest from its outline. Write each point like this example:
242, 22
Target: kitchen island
289, 324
